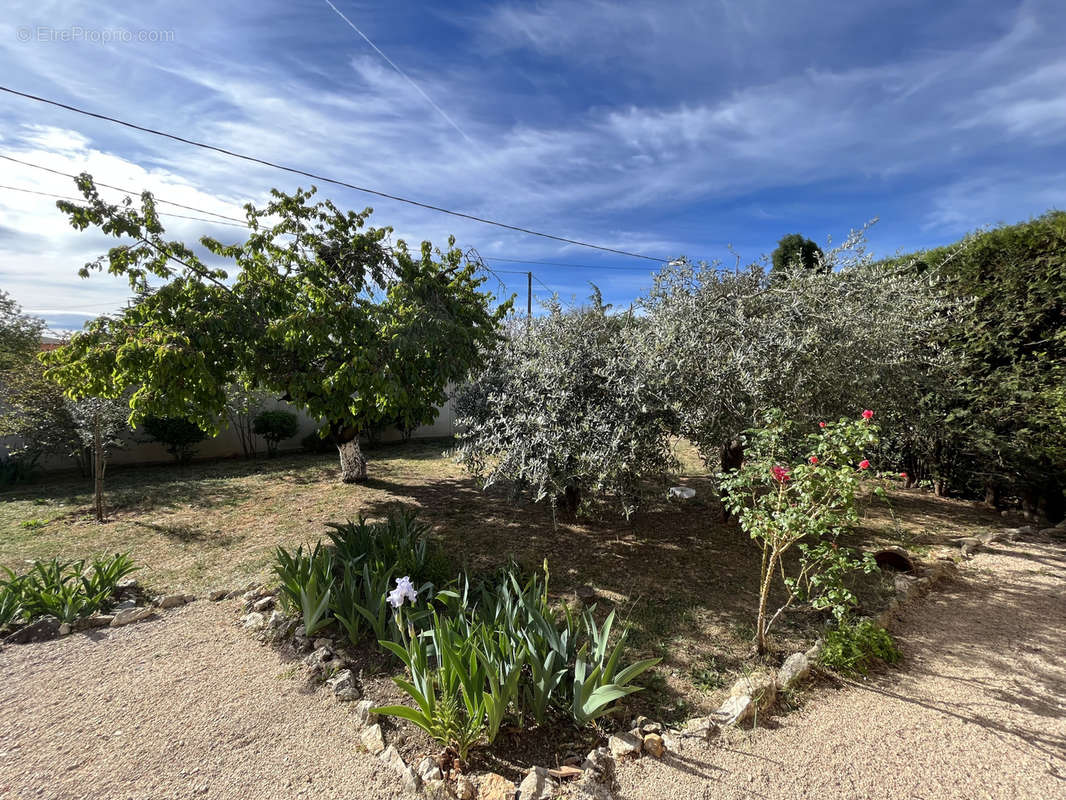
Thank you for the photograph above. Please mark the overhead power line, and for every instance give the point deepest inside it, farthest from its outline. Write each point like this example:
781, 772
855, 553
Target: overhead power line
161, 213
120, 189
323, 178
561, 264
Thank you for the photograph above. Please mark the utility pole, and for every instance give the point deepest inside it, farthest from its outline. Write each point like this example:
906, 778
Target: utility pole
529, 295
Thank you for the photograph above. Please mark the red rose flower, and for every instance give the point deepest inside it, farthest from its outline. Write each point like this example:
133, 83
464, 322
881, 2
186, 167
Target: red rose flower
821, 424
780, 473
864, 464
867, 414
814, 459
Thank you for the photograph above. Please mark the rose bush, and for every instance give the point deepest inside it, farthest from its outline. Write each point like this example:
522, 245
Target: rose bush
805, 506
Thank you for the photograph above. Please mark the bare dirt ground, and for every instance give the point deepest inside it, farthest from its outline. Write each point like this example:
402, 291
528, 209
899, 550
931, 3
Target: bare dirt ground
190, 706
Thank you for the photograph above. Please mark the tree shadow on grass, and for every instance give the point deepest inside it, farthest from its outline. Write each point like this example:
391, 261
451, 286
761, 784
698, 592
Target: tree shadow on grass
190, 534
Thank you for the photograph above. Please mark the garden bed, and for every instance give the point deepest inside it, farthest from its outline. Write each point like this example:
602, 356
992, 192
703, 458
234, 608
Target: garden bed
683, 581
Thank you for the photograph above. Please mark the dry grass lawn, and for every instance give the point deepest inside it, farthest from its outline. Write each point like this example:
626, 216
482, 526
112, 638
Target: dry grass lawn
685, 583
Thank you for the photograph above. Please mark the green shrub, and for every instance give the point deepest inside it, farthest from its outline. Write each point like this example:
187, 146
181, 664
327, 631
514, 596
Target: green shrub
178, 434
400, 545
851, 648
275, 426
14, 471
306, 583
65, 590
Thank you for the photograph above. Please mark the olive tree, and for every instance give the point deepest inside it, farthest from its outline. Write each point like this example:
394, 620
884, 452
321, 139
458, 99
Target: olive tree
563, 409
320, 310
818, 345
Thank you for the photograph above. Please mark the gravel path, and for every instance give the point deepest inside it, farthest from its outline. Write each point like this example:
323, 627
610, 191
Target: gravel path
191, 707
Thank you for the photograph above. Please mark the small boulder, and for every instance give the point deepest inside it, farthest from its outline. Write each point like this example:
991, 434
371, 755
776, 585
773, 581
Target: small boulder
253, 621
344, 686
537, 785
96, 621
170, 600
362, 714
700, 728
218, 594
624, 744
586, 594
263, 603
322, 641
760, 686
391, 757
373, 739
495, 787
428, 770
653, 745
735, 710
794, 671
599, 763
64, 629
131, 615
39, 631
465, 789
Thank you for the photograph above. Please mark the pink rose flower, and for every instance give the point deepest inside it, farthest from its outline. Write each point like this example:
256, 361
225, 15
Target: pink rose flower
867, 414
864, 464
780, 473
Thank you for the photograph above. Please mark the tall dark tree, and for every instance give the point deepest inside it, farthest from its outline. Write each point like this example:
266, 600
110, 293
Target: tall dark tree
795, 250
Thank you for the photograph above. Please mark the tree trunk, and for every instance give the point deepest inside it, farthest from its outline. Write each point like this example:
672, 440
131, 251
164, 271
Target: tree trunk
991, 495
98, 470
353, 465
732, 458
764, 595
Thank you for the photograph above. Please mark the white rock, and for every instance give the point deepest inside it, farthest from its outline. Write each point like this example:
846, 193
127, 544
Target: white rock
373, 740
64, 628
362, 714
263, 603
735, 710
170, 601
128, 615
254, 621
760, 686
794, 671
624, 744
682, 492
700, 728
537, 785
426, 766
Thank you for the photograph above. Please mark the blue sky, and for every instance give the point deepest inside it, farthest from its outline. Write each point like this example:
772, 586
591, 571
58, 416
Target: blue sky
663, 128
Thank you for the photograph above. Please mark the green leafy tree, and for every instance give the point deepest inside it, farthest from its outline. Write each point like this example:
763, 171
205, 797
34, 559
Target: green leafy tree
796, 251
275, 426
20, 334
320, 310
102, 428
243, 403
1001, 408
177, 433
565, 409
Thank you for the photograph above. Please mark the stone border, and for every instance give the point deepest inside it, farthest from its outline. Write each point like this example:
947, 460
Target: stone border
130, 606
